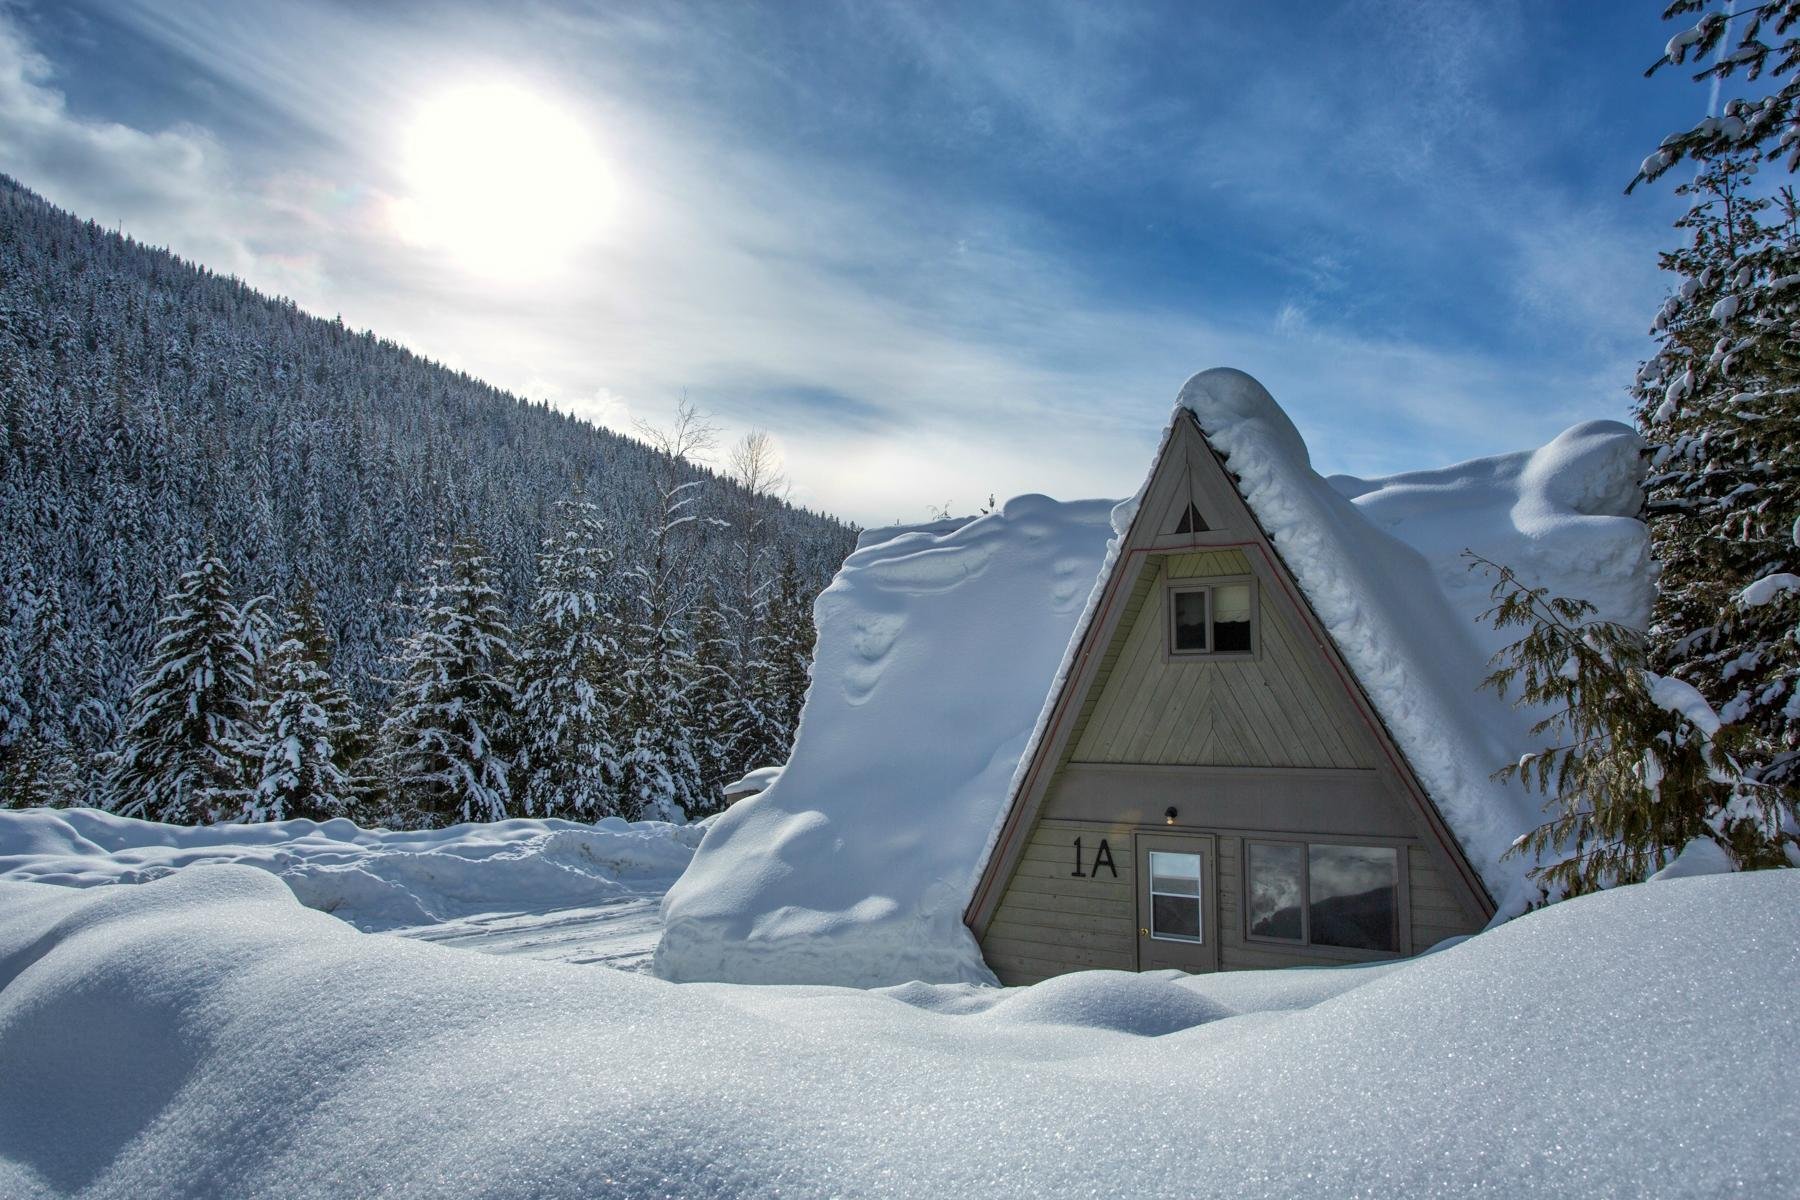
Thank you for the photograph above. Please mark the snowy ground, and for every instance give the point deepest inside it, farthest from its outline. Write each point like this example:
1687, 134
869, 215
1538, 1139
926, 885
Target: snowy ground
202, 1034
550, 890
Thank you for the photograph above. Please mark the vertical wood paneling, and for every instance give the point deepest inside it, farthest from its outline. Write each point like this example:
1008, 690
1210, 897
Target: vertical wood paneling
1280, 709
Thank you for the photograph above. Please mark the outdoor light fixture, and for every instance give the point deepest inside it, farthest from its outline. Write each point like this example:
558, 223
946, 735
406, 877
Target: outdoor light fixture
1169, 815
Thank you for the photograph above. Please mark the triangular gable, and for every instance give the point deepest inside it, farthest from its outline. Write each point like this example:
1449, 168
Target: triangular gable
1188, 473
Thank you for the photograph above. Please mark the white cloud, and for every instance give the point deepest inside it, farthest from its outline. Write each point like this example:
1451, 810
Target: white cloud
169, 187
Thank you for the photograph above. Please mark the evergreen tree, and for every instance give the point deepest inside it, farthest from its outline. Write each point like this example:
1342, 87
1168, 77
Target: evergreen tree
443, 744
660, 769
191, 720
308, 730
568, 763
1639, 763
149, 407
1719, 403
716, 686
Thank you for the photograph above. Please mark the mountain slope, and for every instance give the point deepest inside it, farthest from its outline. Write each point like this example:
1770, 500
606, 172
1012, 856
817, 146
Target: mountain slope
151, 408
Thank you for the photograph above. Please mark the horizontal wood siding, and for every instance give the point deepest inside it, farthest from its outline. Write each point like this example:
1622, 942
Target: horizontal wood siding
1050, 922
1436, 913
1279, 709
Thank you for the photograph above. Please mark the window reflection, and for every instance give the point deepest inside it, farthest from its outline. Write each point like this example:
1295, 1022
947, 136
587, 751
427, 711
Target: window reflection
1353, 896
1277, 875
1175, 896
1231, 619
1190, 620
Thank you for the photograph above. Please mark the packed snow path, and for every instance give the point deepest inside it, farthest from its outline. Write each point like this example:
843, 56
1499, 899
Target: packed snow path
551, 890
620, 934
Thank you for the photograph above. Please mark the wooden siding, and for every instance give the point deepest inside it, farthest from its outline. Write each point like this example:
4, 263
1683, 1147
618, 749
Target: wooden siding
1278, 709
1050, 922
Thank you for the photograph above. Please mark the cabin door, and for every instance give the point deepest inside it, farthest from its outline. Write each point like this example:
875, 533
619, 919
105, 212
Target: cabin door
1176, 896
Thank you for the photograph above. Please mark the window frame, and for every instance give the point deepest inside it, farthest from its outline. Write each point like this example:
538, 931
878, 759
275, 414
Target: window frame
1210, 584
1199, 896
1402, 896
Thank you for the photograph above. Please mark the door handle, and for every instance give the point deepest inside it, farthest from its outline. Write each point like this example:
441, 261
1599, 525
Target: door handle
1142, 932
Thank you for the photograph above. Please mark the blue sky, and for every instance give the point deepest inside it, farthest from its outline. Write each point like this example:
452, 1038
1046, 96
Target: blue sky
938, 250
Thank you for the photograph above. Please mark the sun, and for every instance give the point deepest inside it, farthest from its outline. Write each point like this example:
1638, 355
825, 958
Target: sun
503, 180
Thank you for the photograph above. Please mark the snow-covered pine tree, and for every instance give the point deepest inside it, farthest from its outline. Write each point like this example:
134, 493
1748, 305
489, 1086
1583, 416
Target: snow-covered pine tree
444, 743
569, 675
714, 688
786, 667
1720, 406
307, 734
1639, 763
766, 705
661, 772
1720, 401
189, 727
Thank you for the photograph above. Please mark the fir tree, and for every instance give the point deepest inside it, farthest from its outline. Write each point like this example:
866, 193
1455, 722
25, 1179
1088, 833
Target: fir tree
716, 686
190, 725
568, 764
1639, 763
660, 771
443, 744
308, 731
1720, 401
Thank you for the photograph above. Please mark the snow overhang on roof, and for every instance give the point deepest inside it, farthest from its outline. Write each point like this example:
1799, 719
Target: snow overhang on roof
1381, 563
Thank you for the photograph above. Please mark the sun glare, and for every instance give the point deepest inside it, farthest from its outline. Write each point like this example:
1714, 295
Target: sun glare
501, 179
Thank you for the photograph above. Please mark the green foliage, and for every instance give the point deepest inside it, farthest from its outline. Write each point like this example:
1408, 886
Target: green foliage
1719, 402
1638, 765
1763, 47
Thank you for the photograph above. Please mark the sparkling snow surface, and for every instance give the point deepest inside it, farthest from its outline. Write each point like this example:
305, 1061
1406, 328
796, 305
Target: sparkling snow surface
205, 1035
543, 889
939, 647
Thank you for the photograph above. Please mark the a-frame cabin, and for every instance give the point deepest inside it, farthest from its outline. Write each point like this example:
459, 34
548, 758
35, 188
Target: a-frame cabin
1211, 788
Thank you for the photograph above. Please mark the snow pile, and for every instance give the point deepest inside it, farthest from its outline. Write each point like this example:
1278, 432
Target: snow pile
935, 648
205, 1035
1381, 563
376, 879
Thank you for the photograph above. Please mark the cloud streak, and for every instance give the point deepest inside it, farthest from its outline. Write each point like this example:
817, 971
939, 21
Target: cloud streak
940, 254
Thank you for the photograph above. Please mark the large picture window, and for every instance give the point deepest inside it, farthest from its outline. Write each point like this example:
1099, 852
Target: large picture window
1323, 894
1212, 619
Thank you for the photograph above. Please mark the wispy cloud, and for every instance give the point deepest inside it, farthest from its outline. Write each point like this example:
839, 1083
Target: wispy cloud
941, 252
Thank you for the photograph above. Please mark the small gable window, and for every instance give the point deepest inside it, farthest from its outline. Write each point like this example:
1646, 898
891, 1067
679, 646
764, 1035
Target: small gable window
1212, 618
1191, 521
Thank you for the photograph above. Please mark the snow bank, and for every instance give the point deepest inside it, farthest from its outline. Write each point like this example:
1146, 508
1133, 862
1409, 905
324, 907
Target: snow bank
1381, 563
936, 646
376, 879
204, 1035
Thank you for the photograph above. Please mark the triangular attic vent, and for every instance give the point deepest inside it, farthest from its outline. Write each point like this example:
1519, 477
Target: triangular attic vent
1191, 521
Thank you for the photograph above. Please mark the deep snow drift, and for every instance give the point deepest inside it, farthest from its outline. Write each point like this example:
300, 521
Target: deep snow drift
938, 650
853, 867
376, 879
203, 1034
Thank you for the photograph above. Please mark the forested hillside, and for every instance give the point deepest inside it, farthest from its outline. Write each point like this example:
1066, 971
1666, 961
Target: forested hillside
304, 508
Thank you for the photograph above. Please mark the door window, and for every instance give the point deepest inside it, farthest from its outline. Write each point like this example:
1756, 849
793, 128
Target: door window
1175, 893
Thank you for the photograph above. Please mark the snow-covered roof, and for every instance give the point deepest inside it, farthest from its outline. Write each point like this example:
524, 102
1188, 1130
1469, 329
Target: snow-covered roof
940, 654
752, 782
